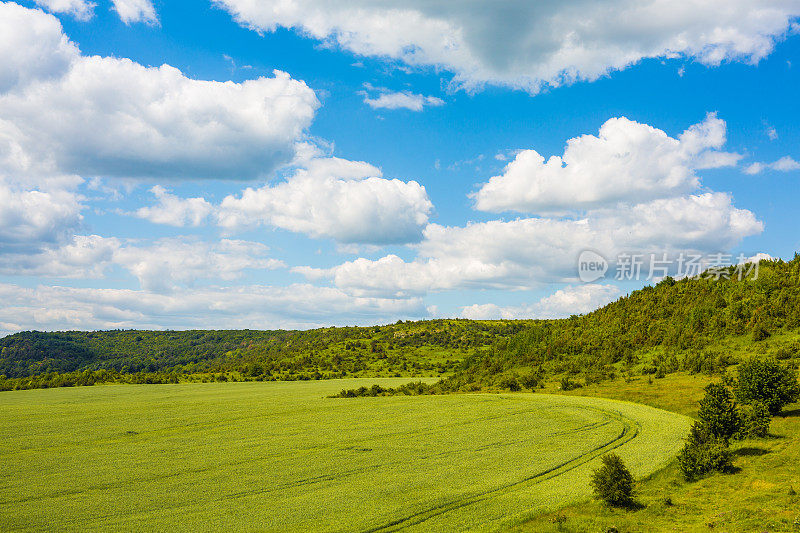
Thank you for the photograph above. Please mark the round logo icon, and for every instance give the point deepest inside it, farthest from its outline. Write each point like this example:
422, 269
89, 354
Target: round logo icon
591, 266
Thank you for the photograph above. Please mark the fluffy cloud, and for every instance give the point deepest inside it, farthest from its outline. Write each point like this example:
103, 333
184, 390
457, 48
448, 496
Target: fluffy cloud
172, 263
784, 164
525, 253
706, 222
84, 256
80, 9
386, 99
38, 206
327, 197
135, 11
162, 266
64, 116
626, 162
760, 256
253, 306
630, 182
175, 211
331, 197
31, 219
531, 44
32, 46
563, 303
112, 117
128, 10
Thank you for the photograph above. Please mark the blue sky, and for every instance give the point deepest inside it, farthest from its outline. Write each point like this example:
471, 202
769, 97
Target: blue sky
156, 172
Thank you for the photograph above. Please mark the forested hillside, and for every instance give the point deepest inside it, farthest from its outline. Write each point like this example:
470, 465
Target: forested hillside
698, 325
431, 348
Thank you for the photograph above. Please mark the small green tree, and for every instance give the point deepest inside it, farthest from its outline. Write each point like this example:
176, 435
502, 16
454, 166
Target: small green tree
510, 383
530, 380
766, 380
755, 420
718, 413
703, 453
613, 482
567, 384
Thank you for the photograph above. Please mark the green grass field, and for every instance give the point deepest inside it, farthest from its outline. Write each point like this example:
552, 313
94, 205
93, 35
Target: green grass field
282, 456
760, 496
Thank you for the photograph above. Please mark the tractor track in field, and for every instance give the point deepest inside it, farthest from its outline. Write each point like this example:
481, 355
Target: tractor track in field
562, 434
629, 432
356, 471
314, 479
297, 483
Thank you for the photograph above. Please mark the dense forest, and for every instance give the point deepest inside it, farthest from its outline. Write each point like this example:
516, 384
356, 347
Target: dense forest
433, 348
696, 325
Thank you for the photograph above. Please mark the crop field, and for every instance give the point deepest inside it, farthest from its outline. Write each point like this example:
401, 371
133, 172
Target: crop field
281, 456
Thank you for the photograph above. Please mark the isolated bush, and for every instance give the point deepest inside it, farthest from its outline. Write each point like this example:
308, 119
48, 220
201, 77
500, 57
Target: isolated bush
530, 380
755, 419
767, 381
613, 482
703, 453
510, 383
567, 384
718, 413
706, 449
409, 389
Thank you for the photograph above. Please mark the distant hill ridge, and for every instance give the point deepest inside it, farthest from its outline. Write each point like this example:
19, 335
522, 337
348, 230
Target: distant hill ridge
697, 325
691, 324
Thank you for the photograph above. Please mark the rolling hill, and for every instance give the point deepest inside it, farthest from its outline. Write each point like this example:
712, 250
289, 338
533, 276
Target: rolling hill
694, 325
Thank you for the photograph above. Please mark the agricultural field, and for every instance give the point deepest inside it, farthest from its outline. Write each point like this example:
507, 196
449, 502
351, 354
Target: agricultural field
761, 495
283, 456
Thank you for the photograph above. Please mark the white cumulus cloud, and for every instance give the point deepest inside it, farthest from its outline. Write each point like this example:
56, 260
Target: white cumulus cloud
251, 306
527, 252
39, 207
32, 46
331, 197
164, 265
381, 98
80, 9
30, 219
111, 117
572, 300
531, 44
626, 162
81, 256
326, 197
171, 263
784, 164
175, 211
135, 11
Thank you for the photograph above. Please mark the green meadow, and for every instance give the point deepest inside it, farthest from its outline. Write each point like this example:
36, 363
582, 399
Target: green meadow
760, 496
282, 456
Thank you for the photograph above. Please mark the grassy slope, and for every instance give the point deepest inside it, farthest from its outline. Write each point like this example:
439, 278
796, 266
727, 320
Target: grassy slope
756, 498
282, 456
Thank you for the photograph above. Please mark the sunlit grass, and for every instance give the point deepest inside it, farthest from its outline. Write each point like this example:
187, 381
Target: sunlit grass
758, 497
282, 456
